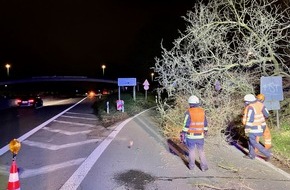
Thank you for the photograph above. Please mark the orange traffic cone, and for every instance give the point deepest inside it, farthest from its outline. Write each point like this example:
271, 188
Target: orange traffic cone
13, 183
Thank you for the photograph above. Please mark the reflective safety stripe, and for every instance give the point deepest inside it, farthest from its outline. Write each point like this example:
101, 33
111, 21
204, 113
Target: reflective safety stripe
197, 129
194, 136
256, 129
196, 123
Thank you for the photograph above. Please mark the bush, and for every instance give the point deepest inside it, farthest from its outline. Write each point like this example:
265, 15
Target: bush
131, 107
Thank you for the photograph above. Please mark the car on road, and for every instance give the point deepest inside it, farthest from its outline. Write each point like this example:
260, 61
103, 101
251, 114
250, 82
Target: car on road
29, 101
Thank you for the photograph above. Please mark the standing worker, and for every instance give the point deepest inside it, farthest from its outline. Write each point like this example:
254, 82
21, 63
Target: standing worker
266, 134
254, 120
194, 131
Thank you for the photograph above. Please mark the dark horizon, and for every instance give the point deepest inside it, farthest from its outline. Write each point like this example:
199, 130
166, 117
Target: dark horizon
73, 38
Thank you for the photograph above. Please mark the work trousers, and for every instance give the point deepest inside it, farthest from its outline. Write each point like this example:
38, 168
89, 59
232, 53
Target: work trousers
254, 144
198, 144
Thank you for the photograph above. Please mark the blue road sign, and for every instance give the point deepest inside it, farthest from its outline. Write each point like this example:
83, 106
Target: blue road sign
126, 81
272, 88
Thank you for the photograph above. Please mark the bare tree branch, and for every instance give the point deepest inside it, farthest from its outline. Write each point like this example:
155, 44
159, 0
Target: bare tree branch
234, 42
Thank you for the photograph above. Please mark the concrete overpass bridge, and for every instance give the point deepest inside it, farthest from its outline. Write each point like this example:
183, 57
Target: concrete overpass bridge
61, 84
57, 79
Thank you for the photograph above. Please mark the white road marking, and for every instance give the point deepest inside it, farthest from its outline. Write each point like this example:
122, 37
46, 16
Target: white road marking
74, 117
28, 134
74, 123
75, 113
56, 102
50, 168
57, 147
66, 132
78, 176
4, 170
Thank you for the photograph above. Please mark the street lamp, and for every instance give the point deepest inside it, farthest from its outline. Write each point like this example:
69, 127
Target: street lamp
103, 67
7, 67
152, 75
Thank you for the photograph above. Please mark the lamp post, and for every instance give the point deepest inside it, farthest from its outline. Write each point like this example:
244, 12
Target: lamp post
7, 67
152, 75
103, 67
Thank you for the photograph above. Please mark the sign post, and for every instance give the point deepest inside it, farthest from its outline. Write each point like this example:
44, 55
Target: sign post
146, 87
272, 89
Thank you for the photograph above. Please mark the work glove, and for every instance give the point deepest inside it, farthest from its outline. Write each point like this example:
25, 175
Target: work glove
182, 137
205, 133
247, 130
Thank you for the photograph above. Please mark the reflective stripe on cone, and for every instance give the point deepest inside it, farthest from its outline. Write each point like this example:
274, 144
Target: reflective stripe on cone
13, 183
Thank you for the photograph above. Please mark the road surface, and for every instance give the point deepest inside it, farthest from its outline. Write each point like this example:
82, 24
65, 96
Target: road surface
75, 152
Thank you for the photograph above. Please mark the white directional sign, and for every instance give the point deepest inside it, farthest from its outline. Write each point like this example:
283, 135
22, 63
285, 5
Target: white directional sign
146, 85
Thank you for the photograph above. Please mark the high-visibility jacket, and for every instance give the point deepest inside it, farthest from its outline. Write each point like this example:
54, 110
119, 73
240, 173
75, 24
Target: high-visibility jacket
254, 118
195, 123
267, 139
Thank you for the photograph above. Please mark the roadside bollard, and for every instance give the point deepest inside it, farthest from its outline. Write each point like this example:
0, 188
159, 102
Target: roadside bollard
123, 107
108, 108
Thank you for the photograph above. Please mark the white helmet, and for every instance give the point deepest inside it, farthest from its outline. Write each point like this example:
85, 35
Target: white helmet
249, 98
193, 100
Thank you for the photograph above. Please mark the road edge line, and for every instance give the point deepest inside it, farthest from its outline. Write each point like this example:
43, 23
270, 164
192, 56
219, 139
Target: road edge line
79, 175
4, 149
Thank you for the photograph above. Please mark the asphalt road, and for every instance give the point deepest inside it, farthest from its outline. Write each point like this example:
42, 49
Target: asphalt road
155, 163
47, 147
15, 121
74, 152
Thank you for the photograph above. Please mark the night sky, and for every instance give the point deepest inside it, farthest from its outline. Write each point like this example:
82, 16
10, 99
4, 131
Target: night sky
75, 37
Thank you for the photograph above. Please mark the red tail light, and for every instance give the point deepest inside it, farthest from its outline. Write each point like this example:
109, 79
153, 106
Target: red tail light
31, 101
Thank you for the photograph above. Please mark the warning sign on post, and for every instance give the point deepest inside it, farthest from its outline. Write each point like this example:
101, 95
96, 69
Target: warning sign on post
120, 105
146, 84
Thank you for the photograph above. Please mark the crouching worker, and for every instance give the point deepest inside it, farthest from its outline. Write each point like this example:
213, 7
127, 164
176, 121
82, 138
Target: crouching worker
194, 131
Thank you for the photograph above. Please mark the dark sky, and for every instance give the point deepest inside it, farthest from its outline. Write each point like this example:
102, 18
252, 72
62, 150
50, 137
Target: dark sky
75, 37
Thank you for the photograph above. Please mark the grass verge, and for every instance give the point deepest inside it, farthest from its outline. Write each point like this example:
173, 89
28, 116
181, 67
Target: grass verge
131, 107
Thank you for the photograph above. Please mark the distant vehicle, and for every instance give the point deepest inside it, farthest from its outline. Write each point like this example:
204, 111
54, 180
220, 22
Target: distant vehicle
29, 101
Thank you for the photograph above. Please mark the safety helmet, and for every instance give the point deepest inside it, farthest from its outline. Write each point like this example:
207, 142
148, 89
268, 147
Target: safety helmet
193, 100
260, 97
249, 98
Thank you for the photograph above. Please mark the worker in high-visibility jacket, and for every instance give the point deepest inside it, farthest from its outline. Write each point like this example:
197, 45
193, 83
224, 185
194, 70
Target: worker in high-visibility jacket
267, 133
193, 132
254, 120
